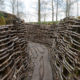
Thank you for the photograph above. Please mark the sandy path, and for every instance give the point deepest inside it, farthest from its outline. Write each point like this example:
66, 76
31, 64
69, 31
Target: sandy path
42, 68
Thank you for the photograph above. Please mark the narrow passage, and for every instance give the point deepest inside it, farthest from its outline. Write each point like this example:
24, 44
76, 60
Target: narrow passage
39, 55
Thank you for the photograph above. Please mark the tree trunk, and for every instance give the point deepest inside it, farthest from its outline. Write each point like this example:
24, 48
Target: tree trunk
77, 8
52, 11
57, 11
13, 10
17, 8
67, 8
39, 11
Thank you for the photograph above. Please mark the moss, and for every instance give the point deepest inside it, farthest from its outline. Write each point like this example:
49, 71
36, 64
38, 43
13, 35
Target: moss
77, 72
48, 23
65, 72
2, 20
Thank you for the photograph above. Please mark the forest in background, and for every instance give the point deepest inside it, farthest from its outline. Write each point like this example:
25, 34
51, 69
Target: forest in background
44, 9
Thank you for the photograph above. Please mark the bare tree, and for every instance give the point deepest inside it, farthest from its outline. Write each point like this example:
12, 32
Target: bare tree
68, 8
77, 7
1, 3
39, 11
69, 4
12, 6
17, 8
20, 8
52, 10
44, 9
58, 4
57, 10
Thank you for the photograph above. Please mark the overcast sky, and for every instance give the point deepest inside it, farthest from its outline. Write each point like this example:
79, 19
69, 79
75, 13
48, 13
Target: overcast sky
32, 14
31, 11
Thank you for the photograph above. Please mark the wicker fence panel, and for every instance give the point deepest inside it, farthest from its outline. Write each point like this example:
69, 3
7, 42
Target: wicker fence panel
14, 59
65, 51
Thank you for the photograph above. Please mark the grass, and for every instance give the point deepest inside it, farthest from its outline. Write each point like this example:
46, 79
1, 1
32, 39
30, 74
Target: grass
48, 23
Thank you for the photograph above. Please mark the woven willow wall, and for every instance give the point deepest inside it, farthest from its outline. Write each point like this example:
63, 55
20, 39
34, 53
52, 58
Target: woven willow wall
14, 59
39, 34
63, 40
65, 51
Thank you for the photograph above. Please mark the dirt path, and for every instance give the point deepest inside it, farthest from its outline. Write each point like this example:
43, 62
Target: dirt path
42, 68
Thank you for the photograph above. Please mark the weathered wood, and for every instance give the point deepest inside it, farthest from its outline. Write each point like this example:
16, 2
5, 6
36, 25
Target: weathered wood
14, 59
65, 55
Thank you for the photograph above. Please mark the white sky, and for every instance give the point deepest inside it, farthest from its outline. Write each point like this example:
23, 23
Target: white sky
31, 11
32, 14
